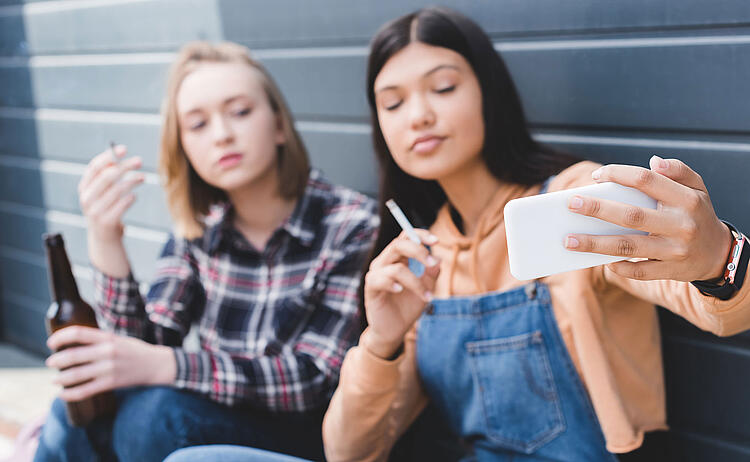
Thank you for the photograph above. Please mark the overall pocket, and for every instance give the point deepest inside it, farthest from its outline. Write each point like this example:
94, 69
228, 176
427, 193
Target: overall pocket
517, 390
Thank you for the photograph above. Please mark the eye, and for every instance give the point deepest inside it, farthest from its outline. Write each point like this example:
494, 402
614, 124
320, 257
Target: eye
446, 89
195, 126
242, 112
393, 106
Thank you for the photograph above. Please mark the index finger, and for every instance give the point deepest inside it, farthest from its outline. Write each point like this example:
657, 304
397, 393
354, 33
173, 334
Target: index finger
653, 184
75, 335
403, 247
678, 171
427, 237
99, 162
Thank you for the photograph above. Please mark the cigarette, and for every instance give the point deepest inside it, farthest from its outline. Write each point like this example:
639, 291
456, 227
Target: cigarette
402, 220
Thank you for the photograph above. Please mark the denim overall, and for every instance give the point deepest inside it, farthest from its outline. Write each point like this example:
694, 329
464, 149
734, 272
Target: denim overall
496, 367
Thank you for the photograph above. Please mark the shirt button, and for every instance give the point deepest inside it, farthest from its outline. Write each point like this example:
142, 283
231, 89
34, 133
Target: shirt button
430, 309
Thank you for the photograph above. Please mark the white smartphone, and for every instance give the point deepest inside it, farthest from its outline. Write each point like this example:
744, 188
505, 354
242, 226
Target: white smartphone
536, 227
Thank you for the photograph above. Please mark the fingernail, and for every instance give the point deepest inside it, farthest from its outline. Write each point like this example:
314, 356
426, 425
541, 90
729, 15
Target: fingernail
658, 162
431, 261
428, 296
571, 242
397, 287
576, 202
596, 174
431, 239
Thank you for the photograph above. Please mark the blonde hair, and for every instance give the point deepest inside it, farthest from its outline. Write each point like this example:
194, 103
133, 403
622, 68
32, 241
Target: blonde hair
189, 197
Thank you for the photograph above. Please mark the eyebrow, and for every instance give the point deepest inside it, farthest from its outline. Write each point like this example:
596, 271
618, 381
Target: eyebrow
224, 103
431, 71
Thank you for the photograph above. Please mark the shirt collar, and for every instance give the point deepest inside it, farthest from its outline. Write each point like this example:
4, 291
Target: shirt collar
301, 224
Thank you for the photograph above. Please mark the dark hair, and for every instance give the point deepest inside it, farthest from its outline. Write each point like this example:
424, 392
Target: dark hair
509, 152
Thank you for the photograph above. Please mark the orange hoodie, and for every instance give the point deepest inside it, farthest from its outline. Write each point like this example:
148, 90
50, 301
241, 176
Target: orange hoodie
609, 325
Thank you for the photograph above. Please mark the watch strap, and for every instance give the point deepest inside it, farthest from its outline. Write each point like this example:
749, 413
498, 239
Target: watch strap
735, 269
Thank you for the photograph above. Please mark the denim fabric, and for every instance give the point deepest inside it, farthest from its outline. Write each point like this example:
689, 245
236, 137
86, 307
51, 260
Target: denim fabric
152, 422
498, 370
226, 453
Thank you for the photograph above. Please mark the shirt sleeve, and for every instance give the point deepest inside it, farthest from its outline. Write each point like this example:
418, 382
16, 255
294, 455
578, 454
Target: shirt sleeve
301, 374
165, 315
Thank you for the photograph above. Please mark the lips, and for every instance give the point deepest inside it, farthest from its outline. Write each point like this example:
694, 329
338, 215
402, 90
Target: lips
427, 143
229, 160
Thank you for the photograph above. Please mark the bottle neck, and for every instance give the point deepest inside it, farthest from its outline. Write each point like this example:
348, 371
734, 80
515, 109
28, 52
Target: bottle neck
62, 283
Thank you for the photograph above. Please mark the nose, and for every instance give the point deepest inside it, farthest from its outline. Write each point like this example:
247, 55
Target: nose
421, 113
222, 130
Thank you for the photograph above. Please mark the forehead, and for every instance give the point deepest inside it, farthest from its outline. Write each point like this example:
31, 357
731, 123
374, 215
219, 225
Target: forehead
213, 83
414, 61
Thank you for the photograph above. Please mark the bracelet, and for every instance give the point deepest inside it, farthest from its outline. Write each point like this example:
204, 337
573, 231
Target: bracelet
734, 273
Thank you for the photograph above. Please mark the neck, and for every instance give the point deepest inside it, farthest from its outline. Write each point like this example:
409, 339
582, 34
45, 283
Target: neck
259, 208
469, 191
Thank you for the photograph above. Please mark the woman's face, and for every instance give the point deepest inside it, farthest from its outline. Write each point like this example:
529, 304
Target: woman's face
429, 105
228, 129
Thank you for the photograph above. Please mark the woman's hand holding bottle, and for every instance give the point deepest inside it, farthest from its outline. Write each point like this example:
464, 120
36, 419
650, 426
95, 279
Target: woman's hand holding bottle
98, 361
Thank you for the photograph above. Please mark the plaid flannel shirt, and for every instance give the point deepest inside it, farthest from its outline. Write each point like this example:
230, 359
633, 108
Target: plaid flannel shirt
273, 325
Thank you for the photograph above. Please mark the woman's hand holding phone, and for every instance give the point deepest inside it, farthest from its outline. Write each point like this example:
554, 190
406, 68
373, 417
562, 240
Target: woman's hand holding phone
686, 239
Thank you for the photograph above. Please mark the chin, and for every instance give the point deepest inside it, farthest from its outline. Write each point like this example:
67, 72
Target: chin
429, 171
231, 180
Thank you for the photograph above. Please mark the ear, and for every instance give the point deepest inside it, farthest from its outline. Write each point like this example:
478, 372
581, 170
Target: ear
280, 137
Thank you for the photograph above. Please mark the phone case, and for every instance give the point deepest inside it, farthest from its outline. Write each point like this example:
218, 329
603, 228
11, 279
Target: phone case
536, 227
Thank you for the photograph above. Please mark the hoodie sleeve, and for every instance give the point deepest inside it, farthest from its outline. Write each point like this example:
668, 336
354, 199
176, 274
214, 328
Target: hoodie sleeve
721, 317
375, 402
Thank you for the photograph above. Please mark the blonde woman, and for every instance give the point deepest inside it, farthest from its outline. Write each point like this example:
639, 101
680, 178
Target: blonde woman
265, 259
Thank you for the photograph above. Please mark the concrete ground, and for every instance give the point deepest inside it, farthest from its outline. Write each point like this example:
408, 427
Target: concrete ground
26, 391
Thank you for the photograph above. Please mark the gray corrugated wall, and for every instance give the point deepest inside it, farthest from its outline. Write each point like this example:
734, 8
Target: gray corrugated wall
612, 81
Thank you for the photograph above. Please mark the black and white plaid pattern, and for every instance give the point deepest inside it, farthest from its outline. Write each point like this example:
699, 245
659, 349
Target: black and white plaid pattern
273, 325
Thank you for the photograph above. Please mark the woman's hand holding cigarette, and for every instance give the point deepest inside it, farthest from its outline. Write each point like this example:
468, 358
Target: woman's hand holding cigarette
394, 296
105, 194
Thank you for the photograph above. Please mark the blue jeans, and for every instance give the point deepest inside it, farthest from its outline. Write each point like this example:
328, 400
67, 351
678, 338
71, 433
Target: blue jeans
225, 453
153, 422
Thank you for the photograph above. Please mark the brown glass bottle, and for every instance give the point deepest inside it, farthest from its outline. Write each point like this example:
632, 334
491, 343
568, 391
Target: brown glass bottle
68, 309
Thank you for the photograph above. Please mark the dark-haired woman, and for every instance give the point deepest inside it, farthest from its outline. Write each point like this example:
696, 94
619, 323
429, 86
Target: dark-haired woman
564, 368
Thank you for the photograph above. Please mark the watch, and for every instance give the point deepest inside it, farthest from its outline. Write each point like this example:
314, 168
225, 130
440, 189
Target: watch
734, 272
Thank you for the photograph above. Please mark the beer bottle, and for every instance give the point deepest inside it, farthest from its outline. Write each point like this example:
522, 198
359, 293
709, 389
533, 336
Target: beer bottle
68, 309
